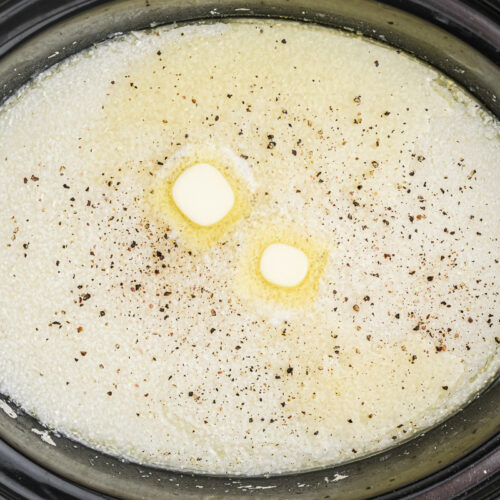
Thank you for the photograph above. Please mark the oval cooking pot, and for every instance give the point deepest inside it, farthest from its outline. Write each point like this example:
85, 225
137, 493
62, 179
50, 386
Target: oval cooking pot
460, 456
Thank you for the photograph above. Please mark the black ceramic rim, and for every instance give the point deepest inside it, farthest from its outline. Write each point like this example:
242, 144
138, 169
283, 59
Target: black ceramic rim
22, 18
24, 479
19, 20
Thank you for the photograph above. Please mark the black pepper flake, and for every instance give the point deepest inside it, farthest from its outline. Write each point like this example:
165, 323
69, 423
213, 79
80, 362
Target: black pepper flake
102, 313
289, 370
271, 145
294, 152
283, 41
445, 387
430, 278
190, 393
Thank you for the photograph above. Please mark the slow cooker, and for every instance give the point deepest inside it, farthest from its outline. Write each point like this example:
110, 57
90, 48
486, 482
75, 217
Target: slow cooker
459, 457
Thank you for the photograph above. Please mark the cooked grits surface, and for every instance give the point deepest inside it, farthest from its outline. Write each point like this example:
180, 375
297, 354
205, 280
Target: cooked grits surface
123, 326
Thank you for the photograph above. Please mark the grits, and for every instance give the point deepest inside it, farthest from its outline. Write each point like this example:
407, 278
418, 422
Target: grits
130, 328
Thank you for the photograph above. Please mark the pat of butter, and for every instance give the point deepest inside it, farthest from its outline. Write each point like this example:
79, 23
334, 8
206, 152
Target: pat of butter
202, 194
284, 265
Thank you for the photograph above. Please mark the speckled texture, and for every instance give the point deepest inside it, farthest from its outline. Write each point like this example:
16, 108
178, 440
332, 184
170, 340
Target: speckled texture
121, 328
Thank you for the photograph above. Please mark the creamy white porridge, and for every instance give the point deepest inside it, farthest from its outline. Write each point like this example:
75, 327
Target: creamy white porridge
131, 328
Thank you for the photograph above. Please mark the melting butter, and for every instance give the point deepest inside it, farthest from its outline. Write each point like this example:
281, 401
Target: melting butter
284, 265
203, 195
